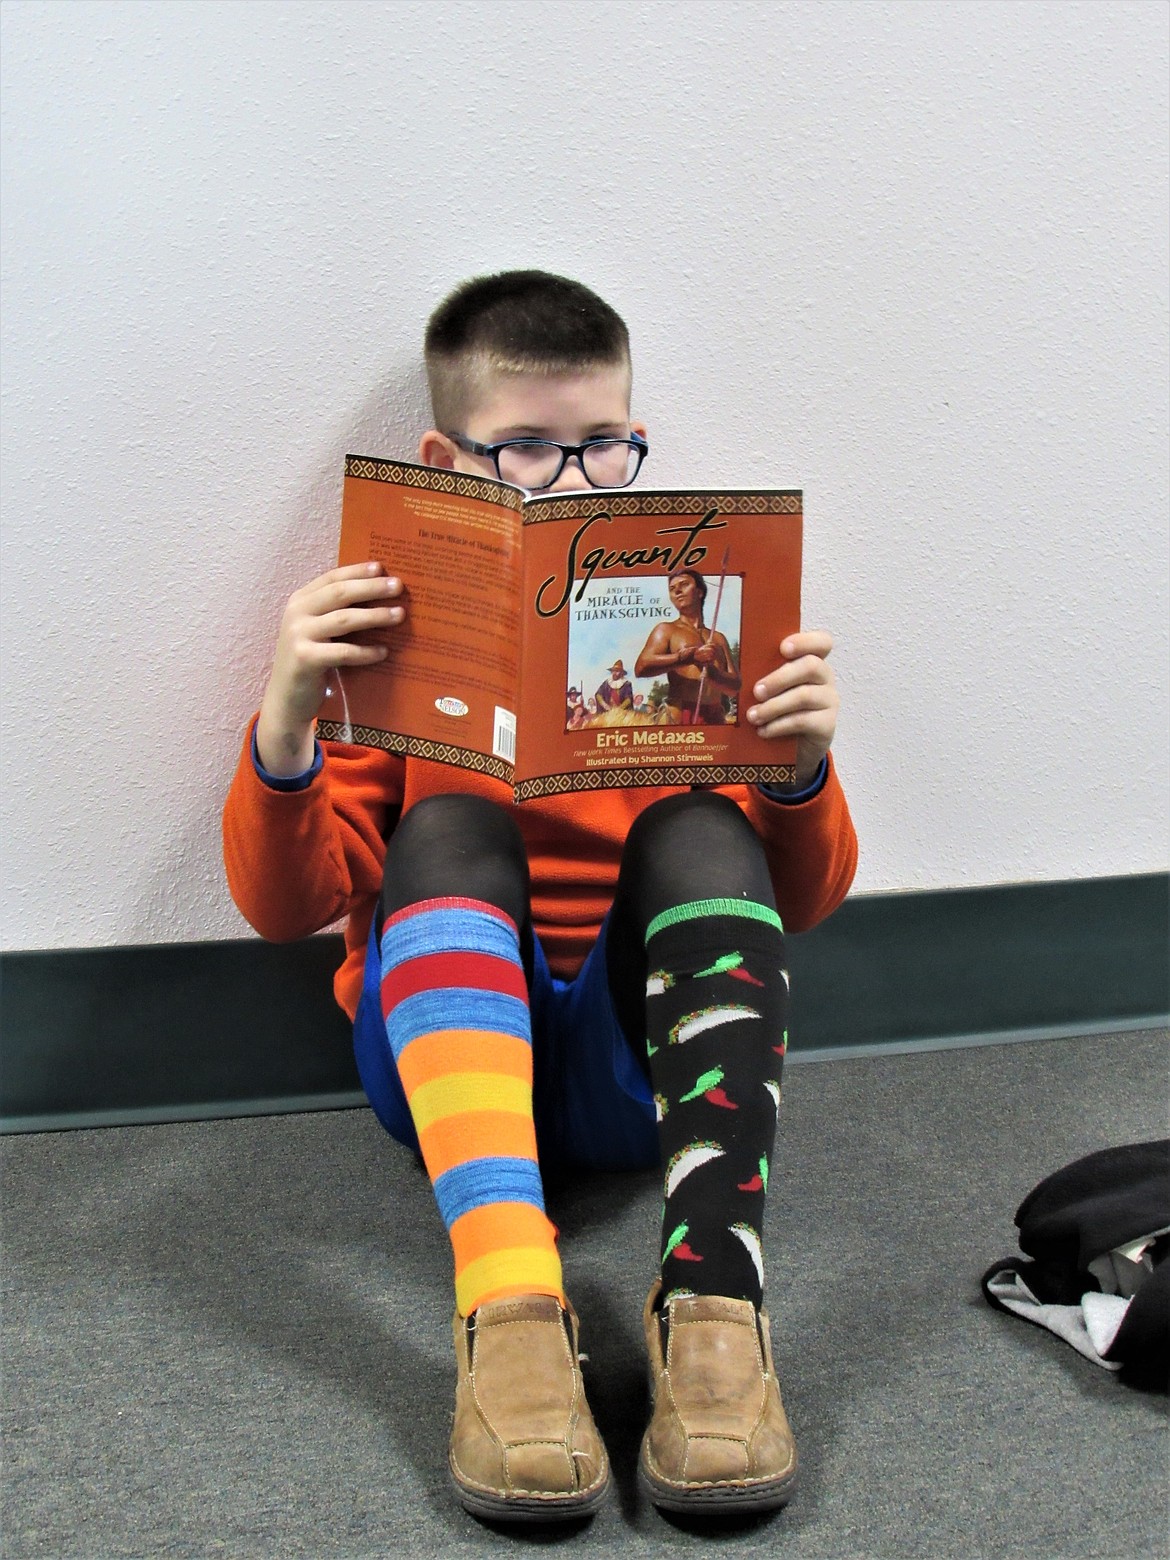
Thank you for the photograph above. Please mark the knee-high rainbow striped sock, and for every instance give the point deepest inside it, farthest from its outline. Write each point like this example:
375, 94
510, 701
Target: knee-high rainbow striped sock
456, 1011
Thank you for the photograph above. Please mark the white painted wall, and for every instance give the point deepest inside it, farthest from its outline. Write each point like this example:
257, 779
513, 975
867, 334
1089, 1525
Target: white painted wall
911, 257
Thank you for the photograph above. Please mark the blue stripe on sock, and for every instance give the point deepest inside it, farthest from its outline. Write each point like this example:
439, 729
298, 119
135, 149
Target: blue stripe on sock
448, 931
478, 1182
457, 1007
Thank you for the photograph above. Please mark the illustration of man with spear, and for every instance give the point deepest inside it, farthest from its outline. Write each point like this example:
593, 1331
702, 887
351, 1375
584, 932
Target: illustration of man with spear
697, 660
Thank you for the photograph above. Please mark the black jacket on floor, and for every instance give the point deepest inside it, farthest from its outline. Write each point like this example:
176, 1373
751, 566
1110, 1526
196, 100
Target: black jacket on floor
1073, 1228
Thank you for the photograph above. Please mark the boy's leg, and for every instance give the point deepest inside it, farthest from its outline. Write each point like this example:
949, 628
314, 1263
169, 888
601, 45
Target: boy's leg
455, 1005
696, 965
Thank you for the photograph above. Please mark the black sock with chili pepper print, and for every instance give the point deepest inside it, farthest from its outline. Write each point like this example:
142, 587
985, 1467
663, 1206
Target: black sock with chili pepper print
716, 1008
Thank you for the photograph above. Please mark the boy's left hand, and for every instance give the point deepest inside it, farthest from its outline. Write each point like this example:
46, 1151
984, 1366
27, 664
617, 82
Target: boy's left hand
799, 699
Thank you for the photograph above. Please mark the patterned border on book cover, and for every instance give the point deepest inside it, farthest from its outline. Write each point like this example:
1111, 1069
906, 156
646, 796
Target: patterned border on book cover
787, 503
556, 785
432, 478
415, 747
667, 774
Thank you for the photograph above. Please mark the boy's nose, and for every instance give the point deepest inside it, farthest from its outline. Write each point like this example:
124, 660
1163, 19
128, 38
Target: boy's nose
572, 478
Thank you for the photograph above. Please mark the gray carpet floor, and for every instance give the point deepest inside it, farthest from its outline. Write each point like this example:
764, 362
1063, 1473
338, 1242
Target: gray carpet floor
232, 1337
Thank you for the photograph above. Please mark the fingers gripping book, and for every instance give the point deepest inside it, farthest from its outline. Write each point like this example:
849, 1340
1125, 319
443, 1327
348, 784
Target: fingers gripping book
571, 641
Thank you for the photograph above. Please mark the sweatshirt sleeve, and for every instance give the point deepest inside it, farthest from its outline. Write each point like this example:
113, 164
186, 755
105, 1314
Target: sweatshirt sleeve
299, 860
811, 848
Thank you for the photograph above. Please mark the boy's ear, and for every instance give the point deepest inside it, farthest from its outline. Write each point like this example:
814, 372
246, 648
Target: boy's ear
435, 449
639, 428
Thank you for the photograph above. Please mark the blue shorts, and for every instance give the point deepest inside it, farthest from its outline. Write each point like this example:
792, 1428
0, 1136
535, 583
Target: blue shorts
591, 1100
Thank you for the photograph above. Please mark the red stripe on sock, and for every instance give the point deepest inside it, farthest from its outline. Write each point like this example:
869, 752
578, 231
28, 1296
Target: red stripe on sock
421, 906
433, 971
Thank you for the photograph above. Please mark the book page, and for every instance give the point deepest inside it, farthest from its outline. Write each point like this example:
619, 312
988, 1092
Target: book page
648, 618
447, 690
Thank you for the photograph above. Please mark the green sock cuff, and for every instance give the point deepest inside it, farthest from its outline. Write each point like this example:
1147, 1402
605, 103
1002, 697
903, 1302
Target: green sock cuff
699, 909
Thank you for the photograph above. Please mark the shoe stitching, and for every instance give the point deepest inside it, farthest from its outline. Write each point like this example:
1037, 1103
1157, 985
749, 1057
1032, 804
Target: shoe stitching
744, 1442
515, 1446
568, 1357
504, 1447
765, 1374
747, 1482
509, 1490
571, 1354
555, 1497
497, 1437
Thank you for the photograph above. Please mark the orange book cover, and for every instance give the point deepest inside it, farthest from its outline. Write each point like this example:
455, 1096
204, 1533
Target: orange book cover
570, 641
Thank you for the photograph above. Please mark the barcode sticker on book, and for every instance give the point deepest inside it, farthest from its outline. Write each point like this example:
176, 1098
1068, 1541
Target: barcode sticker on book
504, 735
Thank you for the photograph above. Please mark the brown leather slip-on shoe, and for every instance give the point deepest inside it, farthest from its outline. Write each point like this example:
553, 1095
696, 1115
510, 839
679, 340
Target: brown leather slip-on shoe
524, 1447
718, 1439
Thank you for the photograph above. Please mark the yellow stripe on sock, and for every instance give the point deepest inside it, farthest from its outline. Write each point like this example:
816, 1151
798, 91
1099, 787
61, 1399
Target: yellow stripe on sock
460, 1093
518, 1270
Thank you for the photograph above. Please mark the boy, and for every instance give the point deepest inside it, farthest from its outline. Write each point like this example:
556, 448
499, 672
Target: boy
595, 980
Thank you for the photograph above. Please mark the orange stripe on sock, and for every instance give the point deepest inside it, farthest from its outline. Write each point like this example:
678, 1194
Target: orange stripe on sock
497, 1226
462, 1051
476, 1134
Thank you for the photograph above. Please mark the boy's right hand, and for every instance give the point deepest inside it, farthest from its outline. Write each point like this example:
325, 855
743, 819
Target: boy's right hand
311, 644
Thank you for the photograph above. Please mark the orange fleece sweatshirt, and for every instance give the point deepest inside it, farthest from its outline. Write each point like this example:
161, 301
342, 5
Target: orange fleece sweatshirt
300, 860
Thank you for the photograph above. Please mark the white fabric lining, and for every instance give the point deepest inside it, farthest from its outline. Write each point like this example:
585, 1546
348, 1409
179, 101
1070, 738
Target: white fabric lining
1090, 1326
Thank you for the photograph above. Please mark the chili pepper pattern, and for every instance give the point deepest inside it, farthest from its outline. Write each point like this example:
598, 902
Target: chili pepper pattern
715, 1064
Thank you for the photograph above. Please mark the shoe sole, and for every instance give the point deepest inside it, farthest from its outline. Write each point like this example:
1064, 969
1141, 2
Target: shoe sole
530, 1508
716, 1499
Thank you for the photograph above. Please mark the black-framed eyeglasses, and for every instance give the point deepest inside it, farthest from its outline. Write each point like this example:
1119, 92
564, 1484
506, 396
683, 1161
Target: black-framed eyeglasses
537, 463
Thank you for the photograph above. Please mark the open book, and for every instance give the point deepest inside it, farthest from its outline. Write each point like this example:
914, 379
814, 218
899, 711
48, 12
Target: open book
570, 641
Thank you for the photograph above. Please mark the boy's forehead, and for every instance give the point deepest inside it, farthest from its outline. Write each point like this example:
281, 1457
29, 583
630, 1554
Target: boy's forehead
582, 399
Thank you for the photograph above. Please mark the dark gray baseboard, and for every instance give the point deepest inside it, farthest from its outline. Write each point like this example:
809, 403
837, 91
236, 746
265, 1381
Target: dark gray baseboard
112, 1036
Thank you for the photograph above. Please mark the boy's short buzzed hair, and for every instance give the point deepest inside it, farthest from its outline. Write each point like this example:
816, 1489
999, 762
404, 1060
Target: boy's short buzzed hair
516, 322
